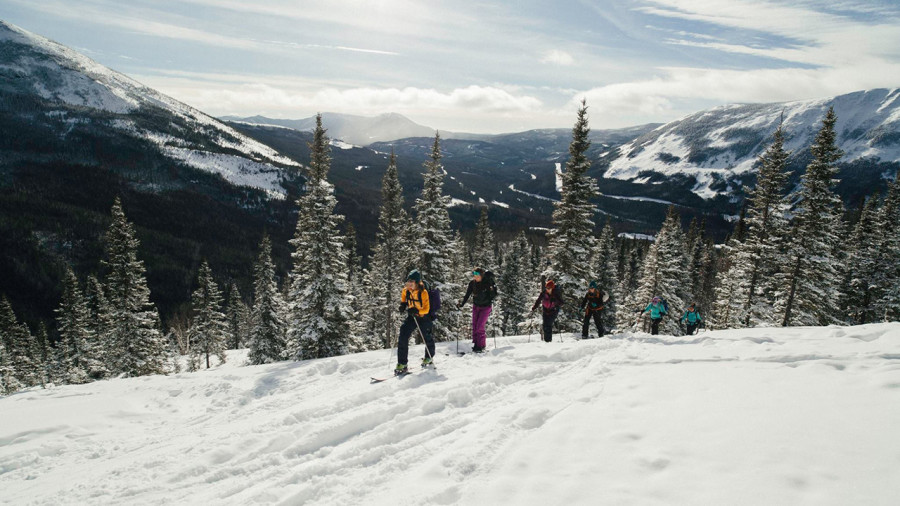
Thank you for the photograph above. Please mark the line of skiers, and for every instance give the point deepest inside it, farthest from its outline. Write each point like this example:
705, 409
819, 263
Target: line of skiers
421, 305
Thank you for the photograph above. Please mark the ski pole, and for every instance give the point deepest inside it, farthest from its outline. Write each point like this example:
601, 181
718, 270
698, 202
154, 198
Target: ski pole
425, 341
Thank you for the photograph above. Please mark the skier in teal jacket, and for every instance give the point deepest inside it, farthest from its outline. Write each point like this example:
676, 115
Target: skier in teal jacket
657, 311
692, 316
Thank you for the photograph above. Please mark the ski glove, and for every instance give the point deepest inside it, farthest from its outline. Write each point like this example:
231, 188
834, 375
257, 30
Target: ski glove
402, 307
413, 311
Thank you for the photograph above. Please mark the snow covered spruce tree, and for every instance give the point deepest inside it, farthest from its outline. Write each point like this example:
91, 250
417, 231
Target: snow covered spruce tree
360, 334
858, 283
74, 332
318, 298
238, 315
606, 262
664, 275
755, 260
434, 238
808, 281
887, 280
514, 282
391, 258
483, 246
267, 328
99, 326
209, 327
8, 381
22, 367
571, 240
137, 347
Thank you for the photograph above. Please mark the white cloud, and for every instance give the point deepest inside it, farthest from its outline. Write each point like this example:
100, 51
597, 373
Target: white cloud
557, 57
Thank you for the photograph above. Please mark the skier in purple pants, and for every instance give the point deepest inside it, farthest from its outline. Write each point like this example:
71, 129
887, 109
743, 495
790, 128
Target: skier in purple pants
483, 291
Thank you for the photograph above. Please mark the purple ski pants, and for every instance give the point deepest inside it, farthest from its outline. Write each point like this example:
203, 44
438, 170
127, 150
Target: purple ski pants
479, 321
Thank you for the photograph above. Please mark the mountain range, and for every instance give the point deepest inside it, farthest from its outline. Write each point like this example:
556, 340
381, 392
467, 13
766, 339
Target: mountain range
77, 135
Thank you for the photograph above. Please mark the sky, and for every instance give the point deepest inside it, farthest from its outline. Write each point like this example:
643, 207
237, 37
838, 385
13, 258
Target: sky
477, 66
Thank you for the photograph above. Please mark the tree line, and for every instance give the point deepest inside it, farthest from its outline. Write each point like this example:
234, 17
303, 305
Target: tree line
795, 257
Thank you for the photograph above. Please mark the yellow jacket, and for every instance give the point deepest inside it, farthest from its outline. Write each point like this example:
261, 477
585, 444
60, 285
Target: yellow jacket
417, 298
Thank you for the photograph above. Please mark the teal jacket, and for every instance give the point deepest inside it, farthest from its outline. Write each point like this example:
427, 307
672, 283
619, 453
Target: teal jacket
691, 317
656, 310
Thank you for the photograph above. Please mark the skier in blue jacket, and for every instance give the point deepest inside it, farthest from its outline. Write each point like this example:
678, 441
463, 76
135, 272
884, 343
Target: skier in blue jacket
692, 316
657, 311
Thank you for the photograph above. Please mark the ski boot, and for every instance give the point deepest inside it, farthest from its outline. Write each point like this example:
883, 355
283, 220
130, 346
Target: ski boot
400, 370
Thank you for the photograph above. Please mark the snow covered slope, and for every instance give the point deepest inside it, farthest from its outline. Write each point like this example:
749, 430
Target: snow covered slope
723, 143
74, 89
758, 416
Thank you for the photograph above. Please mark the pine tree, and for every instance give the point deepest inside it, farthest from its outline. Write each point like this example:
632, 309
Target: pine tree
484, 244
137, 346
99, 328
858, 271
8, 381
74, 331
391, 258
664, 274
267, 328
606, 262
808, 291
886, 282
319, 299
571, 241
209, 328
238, 315
513, 282
756, 252
17, 342
434, 239
360, 337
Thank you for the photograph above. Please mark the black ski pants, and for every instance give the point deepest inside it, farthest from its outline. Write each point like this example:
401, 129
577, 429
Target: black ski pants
691, 327
598, 321
548, 326
654, 326
407, 329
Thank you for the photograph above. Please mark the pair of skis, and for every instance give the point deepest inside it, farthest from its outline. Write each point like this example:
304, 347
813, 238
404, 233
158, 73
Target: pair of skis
407, 372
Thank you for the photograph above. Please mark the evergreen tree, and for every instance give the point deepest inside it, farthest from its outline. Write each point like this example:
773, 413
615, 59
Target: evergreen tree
238, 315
756, 253
8, 381
137, 346
483, 247
886, 282
859, 271
606, 263
359, 333
664, 275
267, 328
514, 282
808, 285
209, 328
391, 258
571, 241
99, 328
18, 344
319, 299
434, 237
74, 331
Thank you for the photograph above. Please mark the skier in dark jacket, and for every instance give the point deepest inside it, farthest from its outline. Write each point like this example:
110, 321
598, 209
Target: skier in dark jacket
693, 319
550, 299
483, 291
415, 303
657, 310
592, 304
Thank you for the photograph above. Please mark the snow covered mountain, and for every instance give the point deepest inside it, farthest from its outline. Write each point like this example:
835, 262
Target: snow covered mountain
61, 90
751, 416
720, 146
352, 129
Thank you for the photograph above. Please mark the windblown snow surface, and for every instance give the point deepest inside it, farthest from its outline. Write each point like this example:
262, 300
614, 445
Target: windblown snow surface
760, 416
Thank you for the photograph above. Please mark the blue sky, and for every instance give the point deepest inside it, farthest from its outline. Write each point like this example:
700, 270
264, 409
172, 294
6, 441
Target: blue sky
480, 66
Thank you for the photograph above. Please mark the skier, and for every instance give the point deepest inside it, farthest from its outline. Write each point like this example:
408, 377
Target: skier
693, 319
483, 291
592, 304
657, 311
415, 302
550, 299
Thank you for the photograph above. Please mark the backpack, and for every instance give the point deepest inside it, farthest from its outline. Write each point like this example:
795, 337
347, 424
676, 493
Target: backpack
665, 304
489, 279
434, 300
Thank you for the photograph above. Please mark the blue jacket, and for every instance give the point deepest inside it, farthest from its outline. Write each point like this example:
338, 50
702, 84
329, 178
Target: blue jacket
691, 317
656, 310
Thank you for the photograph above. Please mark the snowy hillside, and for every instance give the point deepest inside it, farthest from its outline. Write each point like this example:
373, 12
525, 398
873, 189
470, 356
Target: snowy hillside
720, 144
759, 416
76, 85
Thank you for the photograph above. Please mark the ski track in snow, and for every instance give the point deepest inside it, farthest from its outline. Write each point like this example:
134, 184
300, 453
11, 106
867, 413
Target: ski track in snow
635, 419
